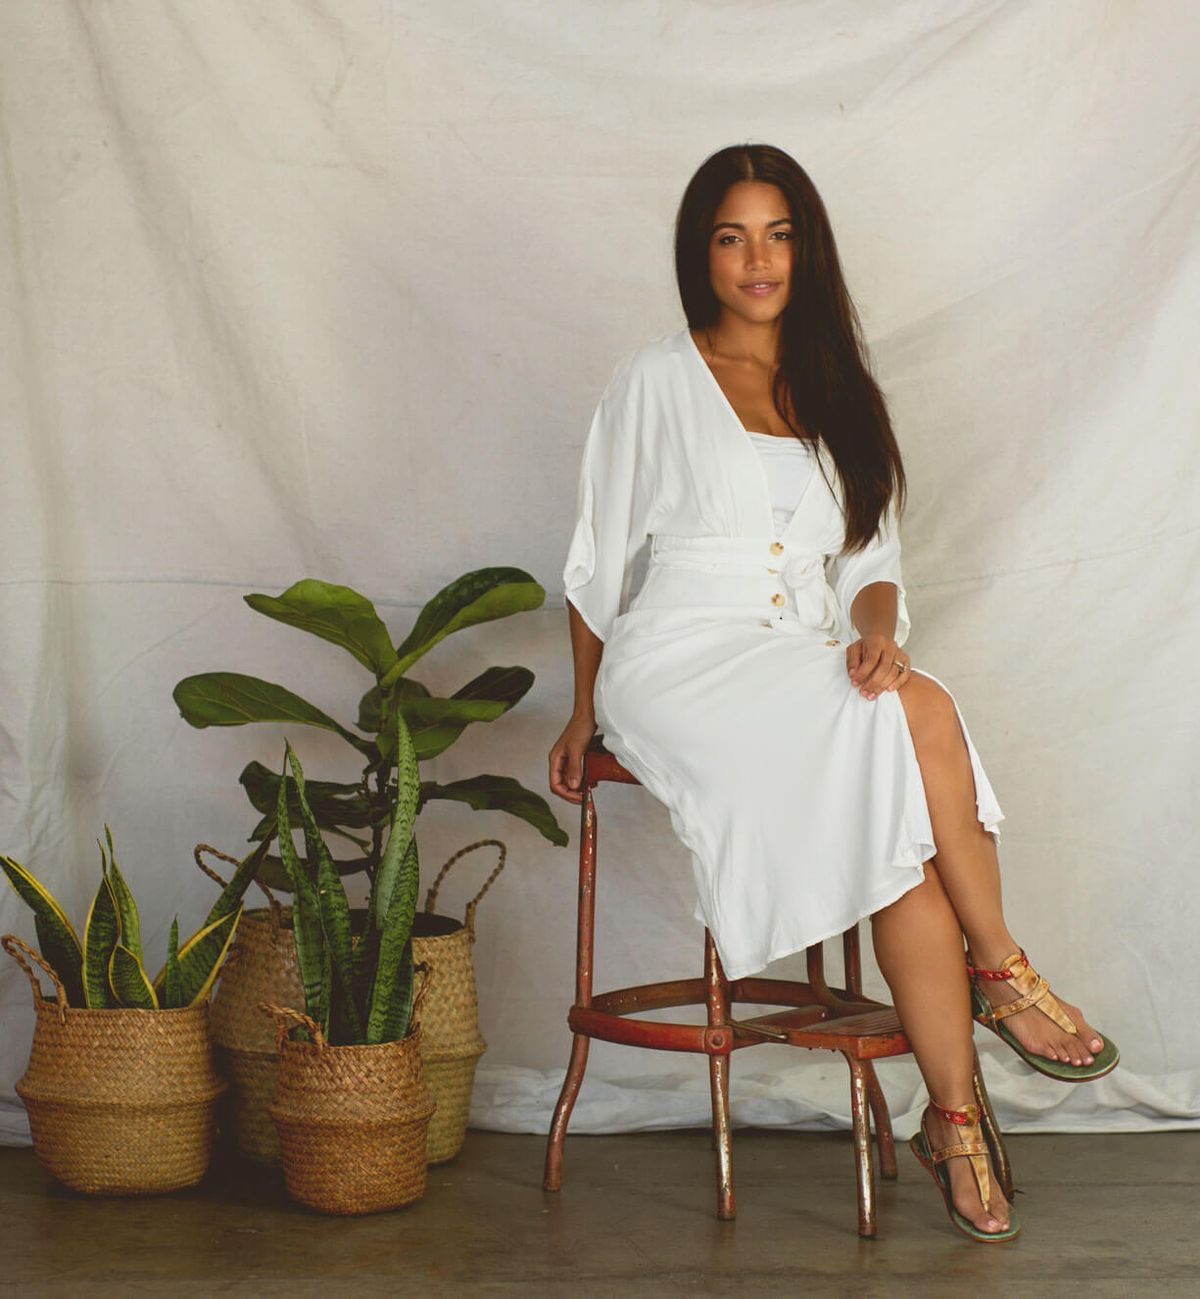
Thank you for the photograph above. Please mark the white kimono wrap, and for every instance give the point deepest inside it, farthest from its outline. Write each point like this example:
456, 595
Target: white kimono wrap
723, 683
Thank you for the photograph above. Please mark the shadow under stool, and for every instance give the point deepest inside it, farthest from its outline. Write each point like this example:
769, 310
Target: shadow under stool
817, 1017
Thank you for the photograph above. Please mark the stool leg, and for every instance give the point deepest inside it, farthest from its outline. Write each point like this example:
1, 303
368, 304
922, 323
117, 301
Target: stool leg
859, 1109
881, 1121
562, 1111
717, 1001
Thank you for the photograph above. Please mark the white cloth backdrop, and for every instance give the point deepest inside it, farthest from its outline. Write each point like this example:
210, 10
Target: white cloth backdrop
331, 288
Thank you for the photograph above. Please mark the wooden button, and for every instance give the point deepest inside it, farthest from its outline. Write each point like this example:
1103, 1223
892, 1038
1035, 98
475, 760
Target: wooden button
833, 642
772, 570
777, 598
776, 547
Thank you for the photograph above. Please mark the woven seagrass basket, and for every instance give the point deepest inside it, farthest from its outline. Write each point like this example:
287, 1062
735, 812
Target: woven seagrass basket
451, 1042
261, 966
352, 1120
120, 1102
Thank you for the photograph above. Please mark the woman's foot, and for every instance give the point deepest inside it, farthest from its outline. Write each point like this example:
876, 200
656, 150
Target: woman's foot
964, 1187
1036, 1030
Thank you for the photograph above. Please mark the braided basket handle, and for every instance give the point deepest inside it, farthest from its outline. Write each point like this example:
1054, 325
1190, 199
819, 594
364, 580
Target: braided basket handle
426, 967
469, 915
15, 946
201, 848
286, 1019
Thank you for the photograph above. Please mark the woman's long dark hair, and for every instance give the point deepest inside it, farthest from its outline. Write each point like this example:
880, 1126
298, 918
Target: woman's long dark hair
823, 385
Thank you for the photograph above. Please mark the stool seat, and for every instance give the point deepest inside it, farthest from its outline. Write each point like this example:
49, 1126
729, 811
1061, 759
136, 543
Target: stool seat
815, 1016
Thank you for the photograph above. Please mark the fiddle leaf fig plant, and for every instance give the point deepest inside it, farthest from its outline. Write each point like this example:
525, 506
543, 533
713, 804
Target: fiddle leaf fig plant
359, 812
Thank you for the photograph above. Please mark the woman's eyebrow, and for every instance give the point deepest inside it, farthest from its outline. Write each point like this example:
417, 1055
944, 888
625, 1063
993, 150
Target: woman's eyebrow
737, 225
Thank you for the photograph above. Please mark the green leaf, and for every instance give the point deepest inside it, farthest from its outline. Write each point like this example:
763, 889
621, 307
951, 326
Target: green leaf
436, 723
172, 984
101, 933
391, 994
500, 794
312, 955
372, 707
338, 614
402, 820
334, 907
233, 699
127, 980
57, 938
199, 959
127, 912
476, 597
274, 873
341, 803
233, 892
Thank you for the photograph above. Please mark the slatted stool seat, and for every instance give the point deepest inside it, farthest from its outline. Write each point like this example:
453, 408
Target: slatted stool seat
815, 1016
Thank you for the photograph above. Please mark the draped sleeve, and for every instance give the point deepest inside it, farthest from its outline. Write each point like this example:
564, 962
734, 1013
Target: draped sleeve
878, 562
613, 501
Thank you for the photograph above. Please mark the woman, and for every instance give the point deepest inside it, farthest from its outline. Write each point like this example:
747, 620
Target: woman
756, 684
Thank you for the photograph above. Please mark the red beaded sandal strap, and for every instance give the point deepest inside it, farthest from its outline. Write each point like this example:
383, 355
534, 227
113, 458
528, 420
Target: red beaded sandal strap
978, 972
964, 1116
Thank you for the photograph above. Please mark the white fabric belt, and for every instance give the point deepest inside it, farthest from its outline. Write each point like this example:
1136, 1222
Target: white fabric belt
799, 576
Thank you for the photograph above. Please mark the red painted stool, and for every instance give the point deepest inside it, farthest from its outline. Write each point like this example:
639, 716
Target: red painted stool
818, 1018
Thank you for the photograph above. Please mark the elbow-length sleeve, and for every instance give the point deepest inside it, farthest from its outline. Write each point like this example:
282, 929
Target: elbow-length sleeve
878, 562
612, 505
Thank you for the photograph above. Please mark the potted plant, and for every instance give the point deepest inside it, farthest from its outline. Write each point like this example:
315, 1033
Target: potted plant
351, 1107
121, 1086
357, 812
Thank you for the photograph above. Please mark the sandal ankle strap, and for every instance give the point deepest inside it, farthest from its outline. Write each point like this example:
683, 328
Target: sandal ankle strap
1006, 970
973, 1145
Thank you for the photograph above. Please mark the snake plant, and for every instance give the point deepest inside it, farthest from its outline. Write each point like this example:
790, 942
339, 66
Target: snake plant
105, 970
360, 992
358, 812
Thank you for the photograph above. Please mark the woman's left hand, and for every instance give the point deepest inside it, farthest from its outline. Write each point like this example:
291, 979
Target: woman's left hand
875, 664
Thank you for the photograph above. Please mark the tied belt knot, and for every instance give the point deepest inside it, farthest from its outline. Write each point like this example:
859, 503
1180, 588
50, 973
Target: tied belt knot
801, 573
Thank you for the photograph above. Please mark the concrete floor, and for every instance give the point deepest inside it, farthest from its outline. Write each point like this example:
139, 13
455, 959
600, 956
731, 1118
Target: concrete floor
1102, 1216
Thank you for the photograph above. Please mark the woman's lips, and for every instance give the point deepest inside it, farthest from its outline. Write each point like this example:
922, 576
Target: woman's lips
755, 291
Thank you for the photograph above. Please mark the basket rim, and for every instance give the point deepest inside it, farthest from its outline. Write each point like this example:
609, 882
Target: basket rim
51, 1004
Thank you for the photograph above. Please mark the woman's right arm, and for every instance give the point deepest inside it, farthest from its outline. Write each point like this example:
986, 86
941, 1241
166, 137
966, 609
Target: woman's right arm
566, 757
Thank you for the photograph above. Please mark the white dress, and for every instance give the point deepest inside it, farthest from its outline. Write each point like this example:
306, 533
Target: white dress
723, 685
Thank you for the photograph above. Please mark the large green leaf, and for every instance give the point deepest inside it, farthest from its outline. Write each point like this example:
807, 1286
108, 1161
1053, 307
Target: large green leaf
57, 938
199, 959
101, 933
233, 699
338, 614
312, 955
479, 596
172, 984
336, 802
334, 908
274, 873
489, 793
127, 912
371, 708
127, 980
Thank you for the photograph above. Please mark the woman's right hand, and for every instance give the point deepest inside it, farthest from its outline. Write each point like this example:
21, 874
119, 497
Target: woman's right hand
566, 757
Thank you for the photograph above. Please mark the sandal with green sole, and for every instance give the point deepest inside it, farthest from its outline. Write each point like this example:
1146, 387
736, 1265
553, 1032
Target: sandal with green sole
974, 1148
1033, 990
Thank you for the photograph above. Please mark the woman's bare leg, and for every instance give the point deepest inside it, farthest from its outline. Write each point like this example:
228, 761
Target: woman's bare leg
919, 947
969, 867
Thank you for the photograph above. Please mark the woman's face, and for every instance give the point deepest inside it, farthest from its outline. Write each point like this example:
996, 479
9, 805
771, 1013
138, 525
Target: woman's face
750, 251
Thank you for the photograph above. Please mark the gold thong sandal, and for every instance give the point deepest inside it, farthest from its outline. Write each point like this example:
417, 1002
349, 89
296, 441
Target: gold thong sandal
974, 1148
1033, 990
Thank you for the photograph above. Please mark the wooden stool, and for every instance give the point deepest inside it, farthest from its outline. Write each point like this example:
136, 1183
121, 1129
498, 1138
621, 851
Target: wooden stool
819, 1018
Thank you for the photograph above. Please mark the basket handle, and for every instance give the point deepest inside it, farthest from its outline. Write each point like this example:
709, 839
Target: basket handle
426, 967
15, 946
469, 915
286, 1019
201, 848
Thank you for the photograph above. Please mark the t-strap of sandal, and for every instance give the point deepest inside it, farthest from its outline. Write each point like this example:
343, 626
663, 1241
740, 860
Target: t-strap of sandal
973, 1147
1033, 990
